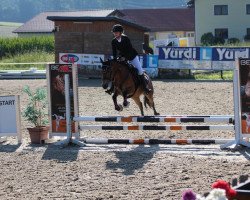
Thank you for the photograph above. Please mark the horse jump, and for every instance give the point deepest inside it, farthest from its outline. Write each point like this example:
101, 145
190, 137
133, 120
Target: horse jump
170, 118
155, 141
182, 118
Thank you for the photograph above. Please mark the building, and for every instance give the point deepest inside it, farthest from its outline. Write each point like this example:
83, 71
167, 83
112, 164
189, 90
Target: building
162, 23
223, 18
92, 35
40, 25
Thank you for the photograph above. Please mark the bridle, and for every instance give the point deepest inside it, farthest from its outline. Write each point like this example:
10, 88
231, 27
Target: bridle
107, 71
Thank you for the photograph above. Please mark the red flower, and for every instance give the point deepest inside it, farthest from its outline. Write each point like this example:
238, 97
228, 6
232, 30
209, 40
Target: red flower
230, 192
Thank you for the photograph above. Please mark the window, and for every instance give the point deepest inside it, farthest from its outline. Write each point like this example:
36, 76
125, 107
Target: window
248, 31
220, 10
248, 9
221, 33
189, 34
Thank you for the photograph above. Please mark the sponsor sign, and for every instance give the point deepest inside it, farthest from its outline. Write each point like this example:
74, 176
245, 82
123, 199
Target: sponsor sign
82, 59
244, 79
184, 58
56, 95
10, 116
149, 61
214, 58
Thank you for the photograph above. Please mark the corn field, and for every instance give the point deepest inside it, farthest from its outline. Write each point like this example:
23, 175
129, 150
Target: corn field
13, 46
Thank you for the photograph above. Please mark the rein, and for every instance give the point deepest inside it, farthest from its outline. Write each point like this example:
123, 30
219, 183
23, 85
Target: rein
126, 77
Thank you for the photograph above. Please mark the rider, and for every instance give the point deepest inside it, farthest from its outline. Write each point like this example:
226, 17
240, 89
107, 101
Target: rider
122, 43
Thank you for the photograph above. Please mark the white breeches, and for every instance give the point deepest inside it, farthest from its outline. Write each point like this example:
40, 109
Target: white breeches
137, 65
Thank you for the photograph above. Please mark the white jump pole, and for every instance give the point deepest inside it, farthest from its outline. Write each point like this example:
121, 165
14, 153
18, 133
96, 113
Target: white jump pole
69, 139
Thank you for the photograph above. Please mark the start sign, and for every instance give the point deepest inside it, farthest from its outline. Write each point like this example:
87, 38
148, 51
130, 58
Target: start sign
10, 116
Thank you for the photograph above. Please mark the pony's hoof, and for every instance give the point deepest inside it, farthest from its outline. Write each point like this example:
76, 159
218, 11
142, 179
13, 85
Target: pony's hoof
156, 113
126, 104
119, 108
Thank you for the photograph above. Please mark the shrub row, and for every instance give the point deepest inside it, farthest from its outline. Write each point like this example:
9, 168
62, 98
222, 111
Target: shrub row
21, 45
208, 39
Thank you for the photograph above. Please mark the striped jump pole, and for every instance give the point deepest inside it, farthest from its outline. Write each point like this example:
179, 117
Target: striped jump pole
155, 141
153, 127
177, 119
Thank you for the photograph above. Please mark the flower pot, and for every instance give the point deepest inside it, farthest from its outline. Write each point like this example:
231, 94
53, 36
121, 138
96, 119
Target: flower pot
38, 135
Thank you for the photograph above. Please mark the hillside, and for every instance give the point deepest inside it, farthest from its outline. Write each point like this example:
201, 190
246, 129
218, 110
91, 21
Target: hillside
6, 29
23, 10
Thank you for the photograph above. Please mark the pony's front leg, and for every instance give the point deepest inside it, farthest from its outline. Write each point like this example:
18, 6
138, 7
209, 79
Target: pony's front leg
117, 107
126, 103
125, 100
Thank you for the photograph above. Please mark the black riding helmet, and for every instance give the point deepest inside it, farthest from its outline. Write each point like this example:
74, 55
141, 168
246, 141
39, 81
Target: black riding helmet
117, 28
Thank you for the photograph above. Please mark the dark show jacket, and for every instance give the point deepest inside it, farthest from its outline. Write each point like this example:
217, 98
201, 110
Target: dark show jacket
124, 47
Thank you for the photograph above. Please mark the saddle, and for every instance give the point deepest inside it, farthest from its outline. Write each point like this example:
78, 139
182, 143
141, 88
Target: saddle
134, 73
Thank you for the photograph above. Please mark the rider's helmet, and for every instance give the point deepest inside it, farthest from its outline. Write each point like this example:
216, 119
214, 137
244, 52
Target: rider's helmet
117, 28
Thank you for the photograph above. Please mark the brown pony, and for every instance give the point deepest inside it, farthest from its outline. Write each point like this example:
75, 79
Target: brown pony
126, 83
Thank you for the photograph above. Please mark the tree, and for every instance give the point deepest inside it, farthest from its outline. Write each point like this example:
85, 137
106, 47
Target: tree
190, 3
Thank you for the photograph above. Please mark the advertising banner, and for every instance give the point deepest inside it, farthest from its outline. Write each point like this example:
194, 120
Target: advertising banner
10, 116
89, 65
82, 59
214, 58
244, 78
224, 58
56, 95
184, 58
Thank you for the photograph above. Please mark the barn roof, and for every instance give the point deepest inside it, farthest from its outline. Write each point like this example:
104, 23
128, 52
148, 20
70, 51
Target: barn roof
91, 19
155, 20
40, 23
165, 19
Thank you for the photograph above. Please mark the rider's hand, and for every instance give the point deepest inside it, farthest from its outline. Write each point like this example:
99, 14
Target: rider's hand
121, 59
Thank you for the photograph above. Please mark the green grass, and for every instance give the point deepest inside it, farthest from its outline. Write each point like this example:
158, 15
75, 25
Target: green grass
227, 75
10, 24
38, 56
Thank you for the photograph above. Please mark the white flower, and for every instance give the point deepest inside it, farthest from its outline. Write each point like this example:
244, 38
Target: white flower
217, 194
199, 197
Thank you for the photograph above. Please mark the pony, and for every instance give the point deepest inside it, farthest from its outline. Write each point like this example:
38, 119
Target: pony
125, 82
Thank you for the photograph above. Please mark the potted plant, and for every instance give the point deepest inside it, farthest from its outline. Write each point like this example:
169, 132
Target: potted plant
36, 113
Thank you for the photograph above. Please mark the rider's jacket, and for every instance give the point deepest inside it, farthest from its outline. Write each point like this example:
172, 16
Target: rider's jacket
124, 47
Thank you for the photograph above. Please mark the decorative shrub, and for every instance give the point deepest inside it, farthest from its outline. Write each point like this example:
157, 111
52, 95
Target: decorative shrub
219, 40
207, 39
36, 110
233, 41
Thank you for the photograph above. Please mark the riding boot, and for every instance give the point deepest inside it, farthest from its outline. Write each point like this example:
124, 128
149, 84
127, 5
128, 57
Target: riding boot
144, 84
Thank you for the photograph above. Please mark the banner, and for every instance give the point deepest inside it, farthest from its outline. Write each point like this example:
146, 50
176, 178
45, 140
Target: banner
55, 78
81, 59
89, 65
183, 58
244, 78
224, 58
10, 116
214, 58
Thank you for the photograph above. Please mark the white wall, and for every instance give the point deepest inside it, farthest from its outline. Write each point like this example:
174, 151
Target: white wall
237, 21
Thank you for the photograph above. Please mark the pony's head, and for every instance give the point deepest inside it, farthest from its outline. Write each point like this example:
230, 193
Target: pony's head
106, 74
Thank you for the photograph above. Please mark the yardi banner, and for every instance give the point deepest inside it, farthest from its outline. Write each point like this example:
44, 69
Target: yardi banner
214, 58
